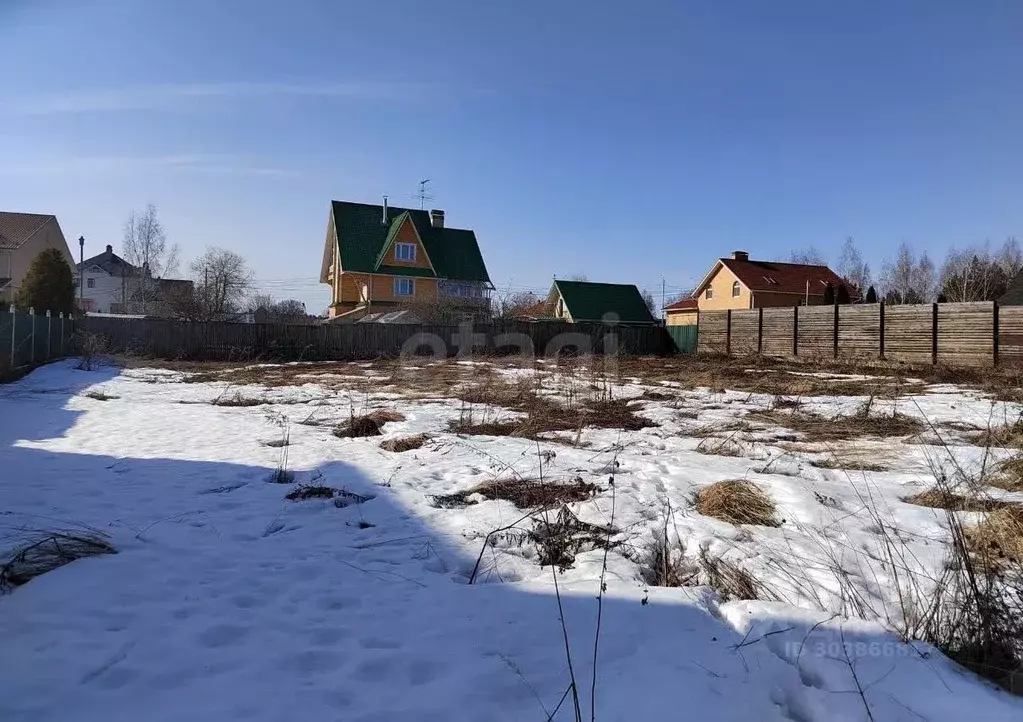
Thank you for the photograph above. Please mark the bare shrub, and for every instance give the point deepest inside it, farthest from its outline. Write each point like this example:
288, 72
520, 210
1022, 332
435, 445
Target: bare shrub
283, 423
736, 501
523, 492
730, 581
367, 424
89, 347
48, 552
404, 443
666, 564
560, 540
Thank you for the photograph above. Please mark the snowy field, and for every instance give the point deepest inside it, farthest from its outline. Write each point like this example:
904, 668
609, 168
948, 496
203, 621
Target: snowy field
226, 601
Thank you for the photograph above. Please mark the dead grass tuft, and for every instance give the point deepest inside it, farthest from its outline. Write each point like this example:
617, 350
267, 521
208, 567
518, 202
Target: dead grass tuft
238, 401
999, 537
47, 553
736, 501
404, 443
100, 395
560, 540
1009, 475
523, 493
847, 464
839, 428
730, 581
366, 425
1003, 437
311, 492
939, 498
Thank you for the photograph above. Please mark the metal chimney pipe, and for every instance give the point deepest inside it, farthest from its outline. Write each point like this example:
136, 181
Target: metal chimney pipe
384, 219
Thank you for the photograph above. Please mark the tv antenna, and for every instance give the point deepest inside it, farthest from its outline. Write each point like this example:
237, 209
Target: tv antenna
423, 194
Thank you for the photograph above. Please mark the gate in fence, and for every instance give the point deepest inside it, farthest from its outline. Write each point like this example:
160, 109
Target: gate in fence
685, 337
28, 338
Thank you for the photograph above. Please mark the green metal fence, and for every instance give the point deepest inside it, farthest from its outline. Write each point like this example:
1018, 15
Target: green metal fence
27, 338
685, 337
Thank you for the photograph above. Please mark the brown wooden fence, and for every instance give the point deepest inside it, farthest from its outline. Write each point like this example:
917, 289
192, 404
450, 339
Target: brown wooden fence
956, 334
208, 341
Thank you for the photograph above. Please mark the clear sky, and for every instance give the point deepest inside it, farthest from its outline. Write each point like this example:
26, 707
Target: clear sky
626, 141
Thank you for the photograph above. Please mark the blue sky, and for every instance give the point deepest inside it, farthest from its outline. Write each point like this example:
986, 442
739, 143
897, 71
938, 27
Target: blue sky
624, 141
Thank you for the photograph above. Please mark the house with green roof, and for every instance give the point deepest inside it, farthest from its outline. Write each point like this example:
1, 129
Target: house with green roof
583, 301
381, 257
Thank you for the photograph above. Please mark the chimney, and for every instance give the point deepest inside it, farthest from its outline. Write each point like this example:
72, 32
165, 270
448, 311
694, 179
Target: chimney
384, 219
437, 218
110, 250
740, 256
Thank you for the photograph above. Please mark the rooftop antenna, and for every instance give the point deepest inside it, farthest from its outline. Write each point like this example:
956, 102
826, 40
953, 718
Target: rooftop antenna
423, 194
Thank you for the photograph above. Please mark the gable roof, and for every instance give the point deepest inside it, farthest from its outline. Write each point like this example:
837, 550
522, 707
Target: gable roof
778, 277
684, 304
16, 228
361, 237
587, 301
111, 263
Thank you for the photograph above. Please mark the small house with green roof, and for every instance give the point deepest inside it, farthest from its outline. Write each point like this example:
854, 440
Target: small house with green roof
381, 257
582, 301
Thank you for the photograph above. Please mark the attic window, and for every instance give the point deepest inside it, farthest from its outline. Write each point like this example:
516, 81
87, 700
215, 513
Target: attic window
735, 289
405, 251
709, 294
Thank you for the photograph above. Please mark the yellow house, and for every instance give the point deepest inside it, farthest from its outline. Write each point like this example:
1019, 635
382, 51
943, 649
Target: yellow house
23, 236
382, 257
737, 282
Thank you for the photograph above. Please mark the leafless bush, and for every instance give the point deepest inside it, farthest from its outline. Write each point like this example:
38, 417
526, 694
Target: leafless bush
47, 552
89, 347
283, 424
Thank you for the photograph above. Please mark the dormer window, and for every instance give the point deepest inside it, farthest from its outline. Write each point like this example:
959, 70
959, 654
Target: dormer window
405, 251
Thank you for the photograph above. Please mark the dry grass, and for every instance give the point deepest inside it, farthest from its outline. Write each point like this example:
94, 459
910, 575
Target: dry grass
523, 493
1009, 476
736, 501
366, 425
404, 443
729, 446
999, 537
941, 498
544, 416
100, 395
816, 428
847, 464
311, 492
560, 540
238, 401
1004, 437
48, 552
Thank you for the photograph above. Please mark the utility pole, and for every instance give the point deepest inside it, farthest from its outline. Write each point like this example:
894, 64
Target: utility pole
81, 274
664, 298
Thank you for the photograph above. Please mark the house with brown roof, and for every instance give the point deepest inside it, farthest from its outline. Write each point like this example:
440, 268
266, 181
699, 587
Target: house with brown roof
738, 282
23, 236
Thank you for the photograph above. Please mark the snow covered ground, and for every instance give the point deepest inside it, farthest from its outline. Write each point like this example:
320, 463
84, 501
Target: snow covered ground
227, 601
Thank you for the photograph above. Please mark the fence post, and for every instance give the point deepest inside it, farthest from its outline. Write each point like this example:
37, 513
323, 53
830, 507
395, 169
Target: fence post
795, 330
760, 331
14, 322
994, 334
62, 334
880, 350
728, 332
32, 337
836, 331
49, 335
934, 334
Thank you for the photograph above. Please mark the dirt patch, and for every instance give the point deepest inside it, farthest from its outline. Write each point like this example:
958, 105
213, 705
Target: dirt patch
943, 499
366, 425
48, 553
816, 428
736, 501
404, 443
523, 493
312, 492
999, 537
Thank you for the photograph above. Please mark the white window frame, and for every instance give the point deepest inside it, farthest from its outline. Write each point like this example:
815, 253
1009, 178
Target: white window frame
90, 283
709, 293
408, 248
736, 289
400, 286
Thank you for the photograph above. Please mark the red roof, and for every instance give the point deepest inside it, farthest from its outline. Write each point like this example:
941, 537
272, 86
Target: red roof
784, 277
686, 304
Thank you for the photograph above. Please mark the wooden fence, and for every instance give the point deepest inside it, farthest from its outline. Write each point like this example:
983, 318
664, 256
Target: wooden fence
955, 334
209, 341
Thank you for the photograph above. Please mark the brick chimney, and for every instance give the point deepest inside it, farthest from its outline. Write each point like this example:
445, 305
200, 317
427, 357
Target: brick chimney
740, 256
110, 250
437, 218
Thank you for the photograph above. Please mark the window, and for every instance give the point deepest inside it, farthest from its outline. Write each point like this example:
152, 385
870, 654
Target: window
404, 287
709, 293
405, 251
735, 289
90, 283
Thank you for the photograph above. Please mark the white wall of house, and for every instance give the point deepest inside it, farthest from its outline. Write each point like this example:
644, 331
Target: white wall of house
102, 290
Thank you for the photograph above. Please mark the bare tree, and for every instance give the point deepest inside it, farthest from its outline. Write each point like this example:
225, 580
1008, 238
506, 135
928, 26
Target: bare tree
516, 304
924, 280
977, 274
145, 247
651, 304
851, 266
809, 256
897, 275
266, 309
222, 280
1010, 257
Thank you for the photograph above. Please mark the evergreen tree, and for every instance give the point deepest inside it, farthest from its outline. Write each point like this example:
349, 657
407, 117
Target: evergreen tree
871, 295
829, 294
842, 295
49, 284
